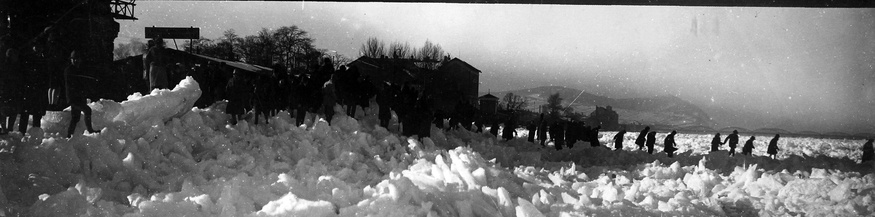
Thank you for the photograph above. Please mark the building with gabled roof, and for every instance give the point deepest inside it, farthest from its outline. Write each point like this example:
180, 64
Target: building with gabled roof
488, 104
451, 80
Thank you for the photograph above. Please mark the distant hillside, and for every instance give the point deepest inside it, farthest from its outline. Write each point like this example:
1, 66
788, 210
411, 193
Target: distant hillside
665, 110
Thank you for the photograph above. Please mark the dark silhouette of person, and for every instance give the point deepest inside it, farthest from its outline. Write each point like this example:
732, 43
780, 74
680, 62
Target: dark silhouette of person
651, 140
594, 136
424, 114
365, 91
155, 65
58, 58
747, 149
733, 141
346, 86
585, 132
239, 91
509, 130
572, 133
263, 98
642, 138
298, 93
715, 143
74, 80
772, 150
868, 152
409, 124
542, 130
478, 122
559, 139
618, 140
329, 98
384, 100
533, 129
36, 87
670, 145
494, 129
11, 87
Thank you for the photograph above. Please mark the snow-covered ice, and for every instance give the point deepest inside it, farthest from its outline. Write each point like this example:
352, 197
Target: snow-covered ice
156, 157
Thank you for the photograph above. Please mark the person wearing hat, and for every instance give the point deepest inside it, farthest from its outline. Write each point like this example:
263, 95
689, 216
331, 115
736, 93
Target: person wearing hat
74, 82
154, 65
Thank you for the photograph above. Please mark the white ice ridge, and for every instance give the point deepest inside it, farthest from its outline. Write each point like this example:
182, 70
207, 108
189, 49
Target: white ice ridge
156, 157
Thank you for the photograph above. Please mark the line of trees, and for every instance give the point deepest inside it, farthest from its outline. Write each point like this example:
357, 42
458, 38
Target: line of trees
430, 53
288, 46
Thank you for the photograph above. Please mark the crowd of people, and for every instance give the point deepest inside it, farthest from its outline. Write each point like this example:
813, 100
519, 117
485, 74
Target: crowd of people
33, 80
30, 84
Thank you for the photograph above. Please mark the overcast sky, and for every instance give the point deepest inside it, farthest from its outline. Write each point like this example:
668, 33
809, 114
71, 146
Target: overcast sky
814, 67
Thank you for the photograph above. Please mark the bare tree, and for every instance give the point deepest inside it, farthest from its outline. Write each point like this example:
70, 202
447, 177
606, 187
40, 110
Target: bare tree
259, 49
292, 45
430, 53
400, 50
514, 102
230, 42
373, 48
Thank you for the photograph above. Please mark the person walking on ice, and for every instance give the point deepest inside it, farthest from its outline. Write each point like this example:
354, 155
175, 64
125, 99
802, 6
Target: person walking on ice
670, 145
747, 149
618, 140
733, 141
773, 147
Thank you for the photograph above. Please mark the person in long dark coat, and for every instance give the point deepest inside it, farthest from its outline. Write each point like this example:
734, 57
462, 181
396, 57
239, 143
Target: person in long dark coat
642, 138
733, 141
773, 147
509, 131
868, 152
542, 130
11, 81
670, 145
298, 92
715, 143
594, 136
384, 100
494, 129
74, 80
425, 114
557, 134
618, 140
651, 139
747, 149
36, 87
329, 99
572, 133
155, 66
365, 91
533, 129
239, 92
264, 98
